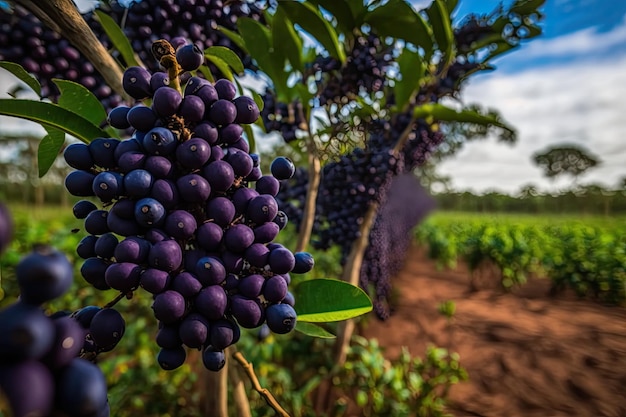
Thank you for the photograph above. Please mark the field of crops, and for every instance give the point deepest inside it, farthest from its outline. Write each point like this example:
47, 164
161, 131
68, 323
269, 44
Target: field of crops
584, 254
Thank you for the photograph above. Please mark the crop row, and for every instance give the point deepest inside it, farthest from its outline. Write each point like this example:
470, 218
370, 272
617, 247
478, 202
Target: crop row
588, 257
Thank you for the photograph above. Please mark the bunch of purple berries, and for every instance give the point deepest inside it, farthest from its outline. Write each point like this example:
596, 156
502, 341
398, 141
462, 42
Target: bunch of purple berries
186, 213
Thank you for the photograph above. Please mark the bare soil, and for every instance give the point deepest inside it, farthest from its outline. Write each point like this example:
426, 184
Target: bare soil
527, 353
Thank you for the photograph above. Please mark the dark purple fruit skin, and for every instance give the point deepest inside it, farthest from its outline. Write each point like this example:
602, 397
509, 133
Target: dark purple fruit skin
170, 359
43, 275
27, 333
136, 82
281, 318
117, 117
141, 118
6, 227
213, 360
226, 90
28, 387
81, 388
190, 57
282, 168
166, 101
304, 263
247, 110
69, 338
100, 326
77, 156
80, 210
222, 112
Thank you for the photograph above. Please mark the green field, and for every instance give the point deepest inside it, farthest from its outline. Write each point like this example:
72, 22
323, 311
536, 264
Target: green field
584, 253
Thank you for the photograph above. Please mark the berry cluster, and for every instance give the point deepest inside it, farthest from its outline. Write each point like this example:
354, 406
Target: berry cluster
407, 203
348, 188
24, 39
280, 117
196, 20
41, 372
365, 70
193, 232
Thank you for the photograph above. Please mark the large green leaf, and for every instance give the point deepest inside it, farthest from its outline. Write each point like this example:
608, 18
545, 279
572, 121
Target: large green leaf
451, 5
342, 12
326, 300
226, 55
49, 149
78, 99
233, 36
439, 18
258, 43
311, 20
222, 66
118, 38
443, 113
411, 69
312, 329
52, 115
20, 72
286, 42
398, 19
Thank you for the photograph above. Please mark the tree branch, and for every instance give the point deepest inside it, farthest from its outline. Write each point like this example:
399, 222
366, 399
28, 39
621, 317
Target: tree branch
267, 395
314, 170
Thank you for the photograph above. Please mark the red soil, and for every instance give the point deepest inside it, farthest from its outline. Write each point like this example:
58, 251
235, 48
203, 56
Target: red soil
528, 354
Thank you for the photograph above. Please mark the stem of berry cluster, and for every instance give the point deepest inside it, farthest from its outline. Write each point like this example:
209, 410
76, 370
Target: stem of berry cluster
63, 17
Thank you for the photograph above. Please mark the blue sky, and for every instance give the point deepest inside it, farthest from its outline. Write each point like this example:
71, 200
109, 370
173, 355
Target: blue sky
568, 85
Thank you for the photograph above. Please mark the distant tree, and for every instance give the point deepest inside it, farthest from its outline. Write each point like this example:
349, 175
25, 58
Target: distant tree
562, 160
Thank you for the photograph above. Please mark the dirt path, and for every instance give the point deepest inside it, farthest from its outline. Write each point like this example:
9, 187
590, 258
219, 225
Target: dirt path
527, 354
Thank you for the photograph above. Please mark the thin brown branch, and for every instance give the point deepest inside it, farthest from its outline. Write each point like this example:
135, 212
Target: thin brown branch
265, 393
314, 170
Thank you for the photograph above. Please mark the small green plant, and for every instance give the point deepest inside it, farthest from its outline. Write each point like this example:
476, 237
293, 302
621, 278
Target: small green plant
401, 387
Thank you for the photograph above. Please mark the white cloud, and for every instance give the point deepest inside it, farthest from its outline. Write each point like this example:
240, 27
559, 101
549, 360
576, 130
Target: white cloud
581, 102
582, 42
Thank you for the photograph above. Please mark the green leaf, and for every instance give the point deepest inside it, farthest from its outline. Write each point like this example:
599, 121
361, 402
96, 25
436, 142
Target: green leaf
222, 66
525, 7
20, 72
258, 44
287, 43
326, 300
451, 5
439, 18
398, 19
49, 149
118, 38
258, 100
311, 20
233, 36
412, 69
342, 12
52, 115
78, 99
226, 55
447, 114
311, 329
250, 136
207, 73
